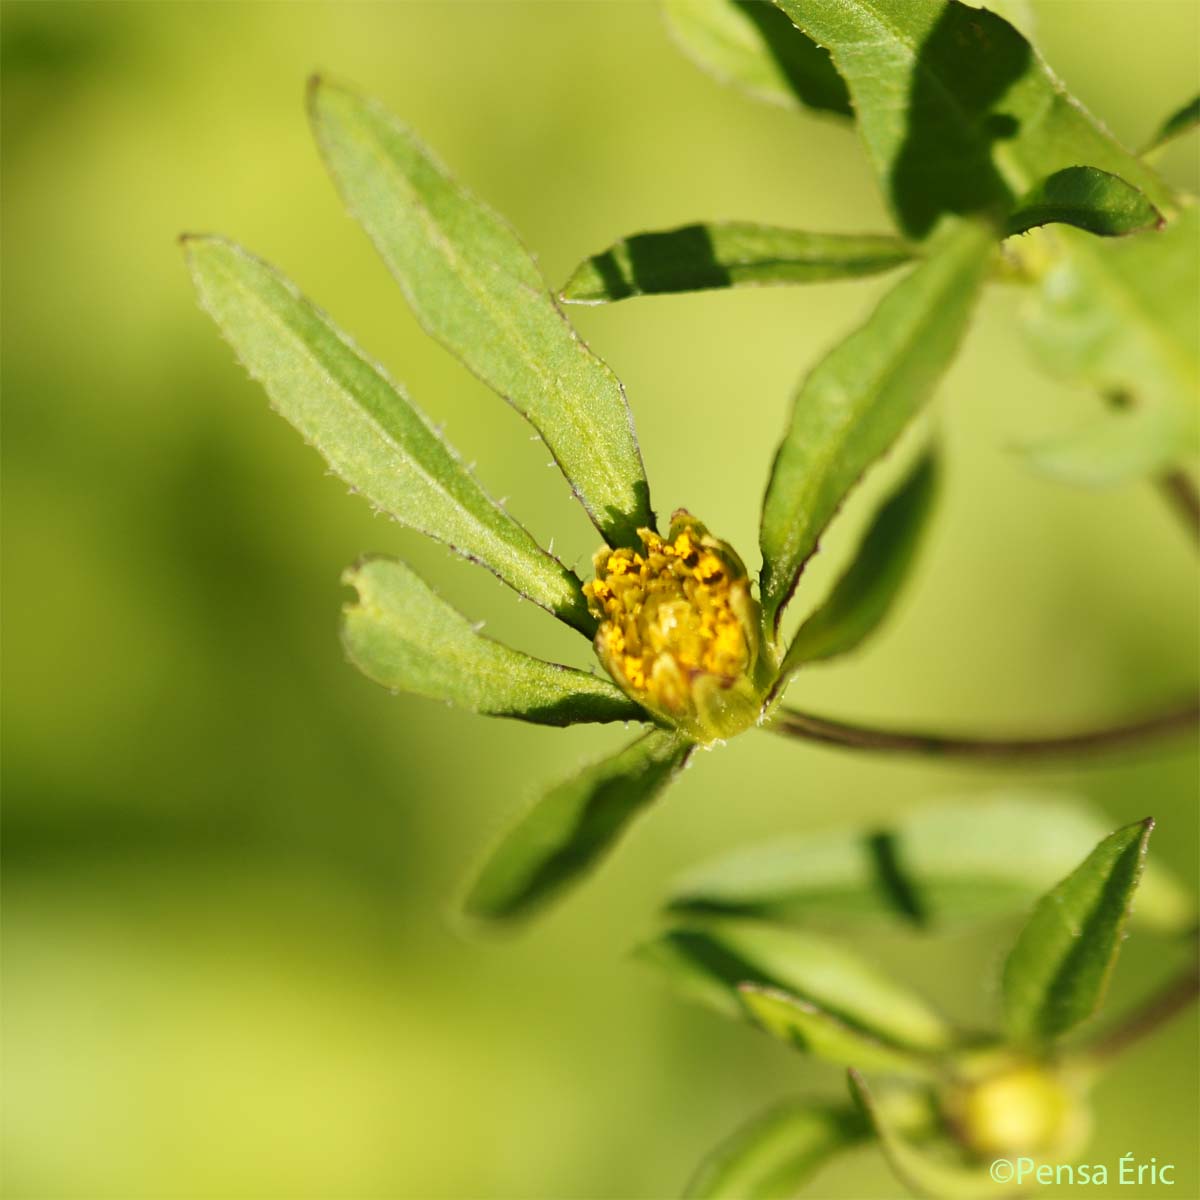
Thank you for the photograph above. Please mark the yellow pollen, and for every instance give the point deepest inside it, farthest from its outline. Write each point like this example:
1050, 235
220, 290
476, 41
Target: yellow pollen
668, 616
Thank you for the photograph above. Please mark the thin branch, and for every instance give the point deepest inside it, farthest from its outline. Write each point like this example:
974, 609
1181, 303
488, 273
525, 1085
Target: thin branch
862, 737
1177, 995
1182, 496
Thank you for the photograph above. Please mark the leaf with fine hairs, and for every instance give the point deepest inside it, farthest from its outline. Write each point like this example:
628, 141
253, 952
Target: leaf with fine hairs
1057, 972
958, 113
401, 634
942, 866
862, 598
572, 827
1092, 200
475, 288
857, 400
773, 1156
752, 46
727, 254
365, 427
710, 962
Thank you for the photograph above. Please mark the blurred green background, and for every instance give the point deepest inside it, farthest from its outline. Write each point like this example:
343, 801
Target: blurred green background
229, 860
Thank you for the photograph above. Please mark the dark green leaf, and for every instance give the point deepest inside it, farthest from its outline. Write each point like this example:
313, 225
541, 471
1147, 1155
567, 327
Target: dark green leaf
709, 963
474, 287
957, 112
948, 864
1056, 975
572, 827
776, 1154
749, 44
1089, 199
858, 399
401, 634
729, 254
1178, 123
1124, 317
864, 595
917, 1168
366, 428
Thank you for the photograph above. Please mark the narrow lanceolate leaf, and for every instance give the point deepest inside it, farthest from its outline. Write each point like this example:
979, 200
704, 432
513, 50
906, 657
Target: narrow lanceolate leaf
1181, 121
370, 433
1124, 317
728, 254
710, 963
936, 1176
1087, 198
958, 113
401, 634
946, 865
811, 1030
474, 287
854, 403
865, 594
572, 827
1056, 974
754, 47
776, 1154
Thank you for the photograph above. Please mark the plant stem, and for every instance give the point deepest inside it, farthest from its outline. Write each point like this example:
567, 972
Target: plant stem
1181, 494
1111, 737
1177, 995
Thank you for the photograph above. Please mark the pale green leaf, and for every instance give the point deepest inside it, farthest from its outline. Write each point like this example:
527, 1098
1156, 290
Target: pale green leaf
773, 1156
958, 113
857, 400
752, 46
709, 962
401, 634
727, 254
945, 865
1124, 317
937, 1177
865, 594
1097, 201
475, 288
572, 827
370, 433
1181, 121
1057, 973
811, 1030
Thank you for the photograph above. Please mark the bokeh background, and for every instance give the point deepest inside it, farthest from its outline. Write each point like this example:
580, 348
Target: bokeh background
229, 969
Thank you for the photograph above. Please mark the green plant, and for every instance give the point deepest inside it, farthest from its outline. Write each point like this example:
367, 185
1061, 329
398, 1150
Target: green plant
693, 653
955, 1099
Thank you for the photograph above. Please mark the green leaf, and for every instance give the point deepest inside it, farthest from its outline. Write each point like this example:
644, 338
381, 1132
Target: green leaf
368, 431
776, 1154
474, 287
864, 595
754, 47
729, 254
401, 634
1057, 973
710, 962
572, 827
858, 399
958, 113
918, 1168
942, 866
811, 1030
1096, 201
1121, 316
1181, 121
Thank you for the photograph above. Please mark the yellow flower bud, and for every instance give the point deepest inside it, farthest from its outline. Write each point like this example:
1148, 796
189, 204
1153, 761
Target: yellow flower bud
680, 630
